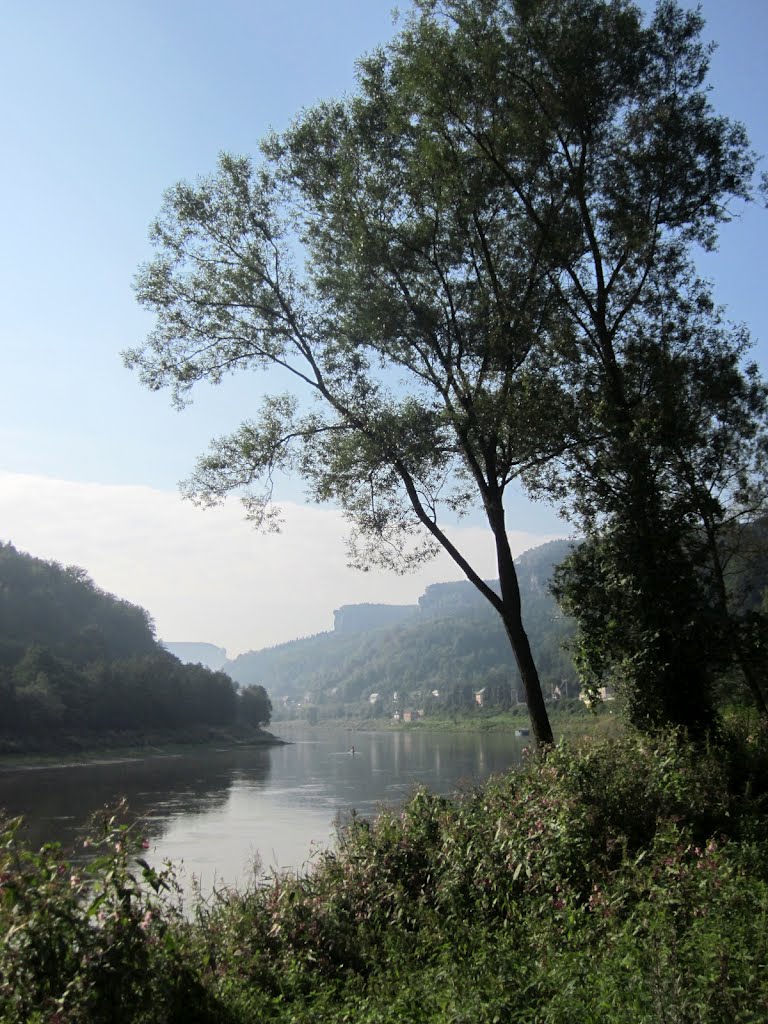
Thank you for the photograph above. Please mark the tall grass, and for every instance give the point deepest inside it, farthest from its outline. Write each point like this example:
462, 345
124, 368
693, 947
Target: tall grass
620, 881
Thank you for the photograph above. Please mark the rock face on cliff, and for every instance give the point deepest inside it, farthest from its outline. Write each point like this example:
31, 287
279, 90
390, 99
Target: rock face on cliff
359, 618
450, 642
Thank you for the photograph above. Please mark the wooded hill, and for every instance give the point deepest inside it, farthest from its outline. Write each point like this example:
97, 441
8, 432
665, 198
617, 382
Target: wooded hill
452, 642
79, 666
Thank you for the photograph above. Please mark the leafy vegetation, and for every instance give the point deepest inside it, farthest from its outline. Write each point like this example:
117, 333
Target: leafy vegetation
498, 285
479, 267
617, 882
79, 666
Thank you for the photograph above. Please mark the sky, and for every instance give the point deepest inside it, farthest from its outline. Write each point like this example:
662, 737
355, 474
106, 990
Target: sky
103, 107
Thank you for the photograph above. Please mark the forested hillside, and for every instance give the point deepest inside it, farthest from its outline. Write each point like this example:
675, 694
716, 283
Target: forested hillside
78, 664
452, 643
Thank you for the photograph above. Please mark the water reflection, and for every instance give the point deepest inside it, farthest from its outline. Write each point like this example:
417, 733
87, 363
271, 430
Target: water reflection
218, 813
57, 801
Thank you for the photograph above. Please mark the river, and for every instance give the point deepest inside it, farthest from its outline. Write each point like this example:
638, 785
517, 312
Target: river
220, 814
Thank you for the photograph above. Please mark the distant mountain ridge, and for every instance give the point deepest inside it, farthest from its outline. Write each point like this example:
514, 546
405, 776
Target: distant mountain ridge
359, 618
450, 641
192, 653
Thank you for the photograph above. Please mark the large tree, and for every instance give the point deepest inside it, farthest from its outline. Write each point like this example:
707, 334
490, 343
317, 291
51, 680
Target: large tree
420, 412
431, 257
602, 131
663, 615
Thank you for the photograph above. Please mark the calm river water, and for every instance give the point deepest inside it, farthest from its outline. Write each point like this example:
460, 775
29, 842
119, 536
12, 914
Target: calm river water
217, 813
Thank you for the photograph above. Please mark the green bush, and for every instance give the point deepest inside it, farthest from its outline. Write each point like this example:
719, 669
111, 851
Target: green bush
99, 943
616, 882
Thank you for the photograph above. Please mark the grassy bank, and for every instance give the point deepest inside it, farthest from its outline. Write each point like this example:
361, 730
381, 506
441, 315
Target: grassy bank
569, 723
575, 722
614, 882
131, 744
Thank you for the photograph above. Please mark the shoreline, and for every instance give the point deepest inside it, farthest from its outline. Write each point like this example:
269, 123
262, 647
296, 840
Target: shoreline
133, 749
604, 724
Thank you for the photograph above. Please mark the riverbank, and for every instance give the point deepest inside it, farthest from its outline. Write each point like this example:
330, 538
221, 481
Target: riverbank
571, 724
128, 745
574, 724
614, 882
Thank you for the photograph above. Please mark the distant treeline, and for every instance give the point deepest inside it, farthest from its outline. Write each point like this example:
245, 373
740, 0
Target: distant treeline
439, 654
452, 642
77, 664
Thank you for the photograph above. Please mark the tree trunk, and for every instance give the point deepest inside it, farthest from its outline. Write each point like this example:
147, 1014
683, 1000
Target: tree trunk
754, 686
537, 711
518, 638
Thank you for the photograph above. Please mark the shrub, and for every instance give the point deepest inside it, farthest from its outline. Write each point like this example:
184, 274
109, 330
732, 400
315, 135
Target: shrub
617, 882
95, 943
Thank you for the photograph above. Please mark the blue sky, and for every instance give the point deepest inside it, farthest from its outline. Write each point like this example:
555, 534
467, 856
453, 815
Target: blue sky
102, 107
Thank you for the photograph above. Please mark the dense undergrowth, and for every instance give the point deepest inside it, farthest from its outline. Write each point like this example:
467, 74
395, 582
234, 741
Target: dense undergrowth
618, 882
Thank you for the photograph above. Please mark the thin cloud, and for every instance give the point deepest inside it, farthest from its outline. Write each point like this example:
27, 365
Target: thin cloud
207, 575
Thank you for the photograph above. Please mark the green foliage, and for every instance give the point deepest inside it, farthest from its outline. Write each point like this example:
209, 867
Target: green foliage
254, 706
604, 884
496, 284
664, 422
78, 665
618, 882
668, 496
97, 943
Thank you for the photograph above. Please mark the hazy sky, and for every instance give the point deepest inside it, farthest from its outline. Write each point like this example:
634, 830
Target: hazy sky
102, 107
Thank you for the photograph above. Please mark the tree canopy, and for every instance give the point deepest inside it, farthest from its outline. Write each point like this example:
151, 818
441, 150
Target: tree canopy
78, 665
456, 262
669, 502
